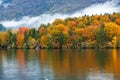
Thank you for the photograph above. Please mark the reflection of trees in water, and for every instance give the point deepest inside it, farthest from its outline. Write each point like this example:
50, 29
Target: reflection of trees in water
65, 64
113, 64
69, 63
72, 63
1, 62
21, 58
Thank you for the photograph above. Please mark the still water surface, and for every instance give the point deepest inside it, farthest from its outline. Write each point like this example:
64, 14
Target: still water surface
60, 64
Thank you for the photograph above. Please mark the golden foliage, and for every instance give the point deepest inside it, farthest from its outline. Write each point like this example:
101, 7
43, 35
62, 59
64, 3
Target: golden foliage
72, 25
112, 29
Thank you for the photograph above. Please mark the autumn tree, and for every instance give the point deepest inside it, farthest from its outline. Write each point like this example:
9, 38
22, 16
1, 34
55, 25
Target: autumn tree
89, 33
53, 31
61, 27
6, 38
20, 36
79, 35
43, 41
42, 30
58, 21
85, 31
118, 21
20, 39
72, 25
31, 42
112, 29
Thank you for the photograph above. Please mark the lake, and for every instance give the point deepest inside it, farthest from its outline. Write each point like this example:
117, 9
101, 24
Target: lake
71, 64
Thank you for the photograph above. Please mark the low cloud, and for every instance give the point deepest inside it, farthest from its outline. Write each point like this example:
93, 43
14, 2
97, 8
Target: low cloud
98, 8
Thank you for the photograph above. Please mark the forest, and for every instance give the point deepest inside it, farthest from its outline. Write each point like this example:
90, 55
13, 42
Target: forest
96, 31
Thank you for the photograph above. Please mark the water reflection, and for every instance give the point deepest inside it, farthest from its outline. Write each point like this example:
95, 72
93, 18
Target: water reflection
60, 64
21, 59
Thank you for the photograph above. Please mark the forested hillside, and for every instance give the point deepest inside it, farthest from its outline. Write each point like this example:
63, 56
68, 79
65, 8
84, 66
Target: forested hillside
97, 31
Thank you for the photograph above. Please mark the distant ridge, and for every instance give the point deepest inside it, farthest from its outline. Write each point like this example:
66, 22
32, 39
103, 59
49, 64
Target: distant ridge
2, 28
16, 9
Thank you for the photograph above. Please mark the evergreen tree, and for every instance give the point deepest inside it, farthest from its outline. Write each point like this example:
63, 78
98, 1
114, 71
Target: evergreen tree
101, 36
60, 39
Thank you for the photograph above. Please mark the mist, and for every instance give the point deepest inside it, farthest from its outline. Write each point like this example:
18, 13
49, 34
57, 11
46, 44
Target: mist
98, 8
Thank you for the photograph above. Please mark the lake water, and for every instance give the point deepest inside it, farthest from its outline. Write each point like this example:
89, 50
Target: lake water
86, 64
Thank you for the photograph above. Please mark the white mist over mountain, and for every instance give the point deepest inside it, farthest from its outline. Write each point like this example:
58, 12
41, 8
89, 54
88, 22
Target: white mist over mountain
100, 8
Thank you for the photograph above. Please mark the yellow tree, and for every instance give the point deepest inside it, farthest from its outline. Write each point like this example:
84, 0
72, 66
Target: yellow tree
78, 31
31, 42
104, 18
43, 41
60, 27
66, 37
58, 21
96, 23
5, 38
112, 29
72, 25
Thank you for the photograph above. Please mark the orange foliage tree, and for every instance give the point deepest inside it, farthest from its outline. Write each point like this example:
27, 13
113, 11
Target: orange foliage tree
118, 21
20, 36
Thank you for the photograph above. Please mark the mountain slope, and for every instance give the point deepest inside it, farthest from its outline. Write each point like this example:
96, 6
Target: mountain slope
15, 9
2, 28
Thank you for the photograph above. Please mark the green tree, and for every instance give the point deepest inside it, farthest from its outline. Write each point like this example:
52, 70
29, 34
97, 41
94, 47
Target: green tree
14, 40
26, 36
60, 39
101, 36
50, 41
34, 33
